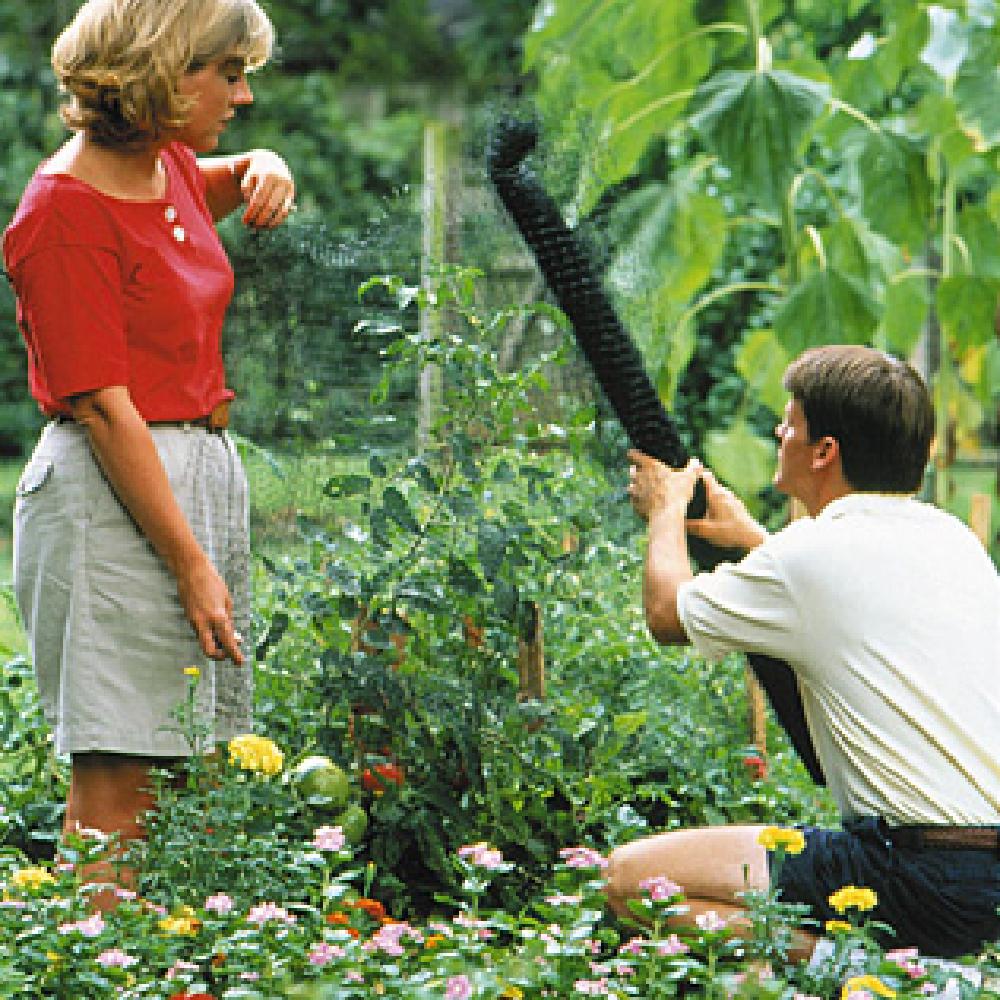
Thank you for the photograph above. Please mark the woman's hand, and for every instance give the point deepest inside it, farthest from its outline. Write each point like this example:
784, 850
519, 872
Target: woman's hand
209, 608
260, 180
268, 189
124, 448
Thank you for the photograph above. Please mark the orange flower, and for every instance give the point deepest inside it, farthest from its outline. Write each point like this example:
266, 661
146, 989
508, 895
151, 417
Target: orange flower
338, 917
372, 907
433, 940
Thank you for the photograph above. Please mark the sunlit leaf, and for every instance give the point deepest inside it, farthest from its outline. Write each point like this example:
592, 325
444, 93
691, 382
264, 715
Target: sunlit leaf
907, 301
948, 44
740, 458
887, 171
762, 361
826, 307
966, 305
757, 123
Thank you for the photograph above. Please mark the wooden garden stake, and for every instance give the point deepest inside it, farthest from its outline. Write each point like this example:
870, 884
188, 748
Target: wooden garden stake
531, 657
980, 509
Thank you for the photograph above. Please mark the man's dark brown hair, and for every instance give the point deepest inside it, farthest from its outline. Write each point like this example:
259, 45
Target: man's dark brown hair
875, 406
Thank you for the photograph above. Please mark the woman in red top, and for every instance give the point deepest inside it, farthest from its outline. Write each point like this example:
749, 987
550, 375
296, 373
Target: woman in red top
130, 526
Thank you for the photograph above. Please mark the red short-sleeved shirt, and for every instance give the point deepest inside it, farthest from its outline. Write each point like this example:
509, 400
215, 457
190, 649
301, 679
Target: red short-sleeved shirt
115, 292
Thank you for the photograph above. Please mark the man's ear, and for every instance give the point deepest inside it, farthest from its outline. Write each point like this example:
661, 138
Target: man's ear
825, 452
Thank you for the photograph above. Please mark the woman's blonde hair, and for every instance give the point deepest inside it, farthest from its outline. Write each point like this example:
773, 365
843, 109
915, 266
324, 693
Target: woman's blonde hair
121, 61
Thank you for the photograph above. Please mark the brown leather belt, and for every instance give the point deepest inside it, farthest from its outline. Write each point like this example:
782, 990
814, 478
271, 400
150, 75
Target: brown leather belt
217, 420
955, 838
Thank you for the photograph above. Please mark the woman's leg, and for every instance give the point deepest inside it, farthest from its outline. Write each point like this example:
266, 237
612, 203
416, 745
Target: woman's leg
711, 864
110, 792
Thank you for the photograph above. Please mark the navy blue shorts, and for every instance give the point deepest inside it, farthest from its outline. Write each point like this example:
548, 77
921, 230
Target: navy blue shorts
943, 902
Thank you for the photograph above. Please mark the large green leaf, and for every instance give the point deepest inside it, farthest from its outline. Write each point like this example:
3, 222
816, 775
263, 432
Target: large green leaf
886, 171
762, 360
740, 458
677, 237
976, 89
980, 241
826, 307
907, 302
875, 66
966, 305
757, 123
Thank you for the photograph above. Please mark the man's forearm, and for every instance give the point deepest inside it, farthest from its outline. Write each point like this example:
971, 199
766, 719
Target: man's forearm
667, 567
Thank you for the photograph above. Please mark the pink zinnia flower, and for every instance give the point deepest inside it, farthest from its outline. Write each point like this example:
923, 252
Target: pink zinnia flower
672, 946
458, 988
329, 838
583, 857
906, 959
322, 953
633, 946
115, 958
481, 855
265, 912
660, 888
592, 987
709, 921
91, 927
220, 904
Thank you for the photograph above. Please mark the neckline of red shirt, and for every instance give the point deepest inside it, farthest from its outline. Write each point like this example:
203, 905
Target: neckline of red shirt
60, 175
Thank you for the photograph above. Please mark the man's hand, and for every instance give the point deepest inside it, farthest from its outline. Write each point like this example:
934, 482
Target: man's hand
727, 523
655, 488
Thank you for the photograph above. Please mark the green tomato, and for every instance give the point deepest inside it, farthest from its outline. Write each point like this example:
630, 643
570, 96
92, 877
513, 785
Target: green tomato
322, 783
353, 821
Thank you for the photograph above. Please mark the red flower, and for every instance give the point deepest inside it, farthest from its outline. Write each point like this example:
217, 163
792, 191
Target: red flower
376, 779
756, 765
191, 996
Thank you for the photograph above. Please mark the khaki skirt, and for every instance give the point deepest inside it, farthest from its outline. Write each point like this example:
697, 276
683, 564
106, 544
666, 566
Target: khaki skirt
109, 639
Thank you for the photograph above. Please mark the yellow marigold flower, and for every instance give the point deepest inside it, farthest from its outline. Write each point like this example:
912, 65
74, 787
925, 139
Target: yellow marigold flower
838, 927
194, 672
183, 923
512, 993
433, 940
31, 878
851, 896
870, 983
773, 837
256, 753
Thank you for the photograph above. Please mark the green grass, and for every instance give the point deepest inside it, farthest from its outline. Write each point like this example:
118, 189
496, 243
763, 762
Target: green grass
11, 634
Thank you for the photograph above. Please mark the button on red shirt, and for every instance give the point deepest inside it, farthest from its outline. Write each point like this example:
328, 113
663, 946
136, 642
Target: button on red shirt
117, 292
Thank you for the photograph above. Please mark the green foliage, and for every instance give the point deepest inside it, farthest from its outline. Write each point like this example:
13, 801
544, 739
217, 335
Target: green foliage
862, 135
398, 634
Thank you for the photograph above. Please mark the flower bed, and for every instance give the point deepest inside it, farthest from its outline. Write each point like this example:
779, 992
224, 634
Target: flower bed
305, 923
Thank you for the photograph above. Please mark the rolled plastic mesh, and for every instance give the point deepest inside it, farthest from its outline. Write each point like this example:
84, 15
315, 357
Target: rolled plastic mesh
618, 367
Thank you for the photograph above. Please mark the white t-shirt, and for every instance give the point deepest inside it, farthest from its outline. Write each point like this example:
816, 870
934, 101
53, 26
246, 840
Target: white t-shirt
888, 611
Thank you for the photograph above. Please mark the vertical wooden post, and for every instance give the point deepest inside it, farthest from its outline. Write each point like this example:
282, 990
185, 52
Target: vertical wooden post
531, 658
980, 510
434, 213
756, 712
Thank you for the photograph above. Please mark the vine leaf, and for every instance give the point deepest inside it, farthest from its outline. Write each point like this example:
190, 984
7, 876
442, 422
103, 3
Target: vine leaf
757, 122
